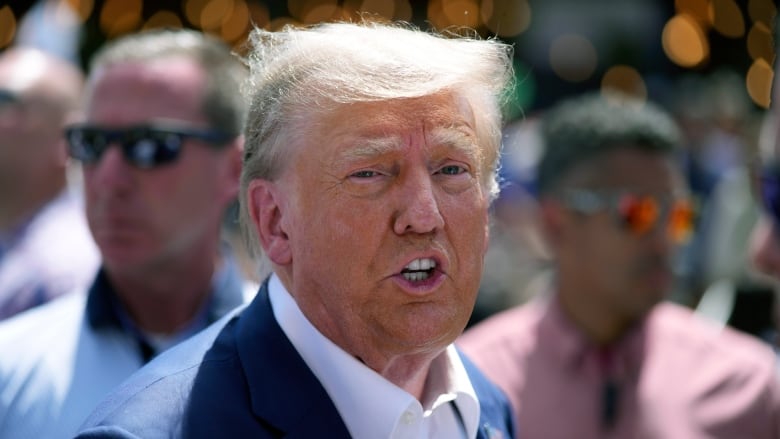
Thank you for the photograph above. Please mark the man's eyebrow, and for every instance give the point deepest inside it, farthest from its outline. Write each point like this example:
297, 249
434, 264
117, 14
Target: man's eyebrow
457, 139
371, 147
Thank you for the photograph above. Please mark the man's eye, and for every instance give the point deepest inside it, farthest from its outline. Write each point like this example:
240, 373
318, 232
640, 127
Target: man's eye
364, 174
452, 170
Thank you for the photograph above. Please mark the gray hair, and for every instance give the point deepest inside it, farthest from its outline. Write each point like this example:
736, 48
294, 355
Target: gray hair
223, 103
586, 127
299, 70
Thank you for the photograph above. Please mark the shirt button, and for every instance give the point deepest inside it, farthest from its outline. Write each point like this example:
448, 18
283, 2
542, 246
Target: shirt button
407, 418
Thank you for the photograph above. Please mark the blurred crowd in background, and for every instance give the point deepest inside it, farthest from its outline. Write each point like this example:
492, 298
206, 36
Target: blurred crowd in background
709, 62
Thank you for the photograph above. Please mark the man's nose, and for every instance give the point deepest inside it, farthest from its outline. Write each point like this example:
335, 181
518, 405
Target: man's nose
418, 206
111, 171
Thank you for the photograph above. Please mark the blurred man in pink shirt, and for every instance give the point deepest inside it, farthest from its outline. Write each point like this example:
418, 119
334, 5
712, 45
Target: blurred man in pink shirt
602, 354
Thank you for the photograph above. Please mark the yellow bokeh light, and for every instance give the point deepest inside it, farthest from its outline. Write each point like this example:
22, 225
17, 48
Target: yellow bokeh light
506, 18
258, 14
120, 16
163, 18
626, 79
82, 8
324, 12
236, 24
383, 8
759, 82
727, 18
280, 22
759, 42
461, 12
193, 10
684, 41
297, 8
696, 9
762, 11
403, 10
304, 10
436, 15
214, 12
7, 26
573, 57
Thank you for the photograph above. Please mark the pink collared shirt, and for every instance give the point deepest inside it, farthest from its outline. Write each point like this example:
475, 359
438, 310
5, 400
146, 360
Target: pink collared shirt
674, 376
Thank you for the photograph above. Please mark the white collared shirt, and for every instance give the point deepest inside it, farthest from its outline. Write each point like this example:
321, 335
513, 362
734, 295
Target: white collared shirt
370, 405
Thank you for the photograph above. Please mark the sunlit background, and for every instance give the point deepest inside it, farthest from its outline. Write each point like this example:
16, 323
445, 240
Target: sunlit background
562, 46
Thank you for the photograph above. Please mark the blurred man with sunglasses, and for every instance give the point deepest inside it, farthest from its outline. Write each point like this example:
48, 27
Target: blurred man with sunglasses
161, 149
602, 354
45, 246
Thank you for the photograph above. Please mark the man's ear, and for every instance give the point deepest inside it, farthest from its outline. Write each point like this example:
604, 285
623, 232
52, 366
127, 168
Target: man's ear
235, 153
265, 203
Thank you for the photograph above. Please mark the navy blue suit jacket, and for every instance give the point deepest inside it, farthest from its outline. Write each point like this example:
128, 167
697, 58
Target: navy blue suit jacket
242, 377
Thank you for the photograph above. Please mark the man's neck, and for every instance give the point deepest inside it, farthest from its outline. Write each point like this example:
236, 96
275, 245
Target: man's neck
164, 300
598, 323
409, 372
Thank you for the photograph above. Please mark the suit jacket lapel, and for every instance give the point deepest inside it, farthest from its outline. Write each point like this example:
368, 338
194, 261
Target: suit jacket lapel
495, 415
282, 388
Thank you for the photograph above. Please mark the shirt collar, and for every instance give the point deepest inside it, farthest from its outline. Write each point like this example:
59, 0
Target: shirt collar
350, 383
570, 346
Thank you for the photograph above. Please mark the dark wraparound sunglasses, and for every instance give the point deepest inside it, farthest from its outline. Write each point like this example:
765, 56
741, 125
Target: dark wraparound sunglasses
637, 213
145, 146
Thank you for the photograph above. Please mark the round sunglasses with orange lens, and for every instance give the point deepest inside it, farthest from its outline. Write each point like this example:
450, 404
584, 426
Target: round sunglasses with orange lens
639, 214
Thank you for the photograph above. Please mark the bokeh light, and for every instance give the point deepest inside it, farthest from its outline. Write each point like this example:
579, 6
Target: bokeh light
759, 42
625, 79
82, 8
759, 82
236, 24
372, 8
193, 9
163, 18
461, 12
388, 10
762, 11
699, 10
7, 26
324, 12
727, 18
258, 15
506, 18
573, 57
214, 12
120, 16
684, 41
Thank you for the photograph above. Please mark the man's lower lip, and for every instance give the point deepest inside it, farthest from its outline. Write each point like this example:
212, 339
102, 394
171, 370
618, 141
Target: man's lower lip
423, 286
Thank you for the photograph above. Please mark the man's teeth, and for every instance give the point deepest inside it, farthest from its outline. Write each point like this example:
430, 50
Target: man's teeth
418, 269
421, 264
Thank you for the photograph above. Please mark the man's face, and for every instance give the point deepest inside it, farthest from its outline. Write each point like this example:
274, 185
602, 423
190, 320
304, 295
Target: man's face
387, 224
145, 218
600, 259
30, 125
